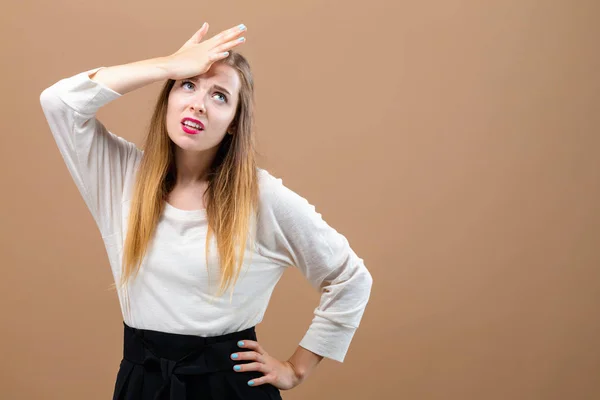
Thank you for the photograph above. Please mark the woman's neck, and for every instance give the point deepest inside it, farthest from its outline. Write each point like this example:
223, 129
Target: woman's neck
192, 168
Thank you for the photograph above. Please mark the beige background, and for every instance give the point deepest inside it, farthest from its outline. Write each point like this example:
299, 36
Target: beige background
455, 144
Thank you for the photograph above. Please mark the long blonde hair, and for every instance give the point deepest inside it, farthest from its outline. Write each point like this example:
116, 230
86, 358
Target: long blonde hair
232, 194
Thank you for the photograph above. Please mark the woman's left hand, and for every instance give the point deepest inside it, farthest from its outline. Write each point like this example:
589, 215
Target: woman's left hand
280, 374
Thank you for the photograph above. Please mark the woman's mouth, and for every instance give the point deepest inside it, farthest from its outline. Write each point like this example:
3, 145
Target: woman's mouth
191, 126
190, 129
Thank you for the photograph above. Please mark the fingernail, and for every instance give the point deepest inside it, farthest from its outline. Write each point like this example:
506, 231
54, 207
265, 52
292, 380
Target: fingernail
240, 343
242, 27
237, 367
241, 39
234, 356
250, 383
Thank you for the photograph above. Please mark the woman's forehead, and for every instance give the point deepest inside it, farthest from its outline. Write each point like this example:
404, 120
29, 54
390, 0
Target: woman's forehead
221, 75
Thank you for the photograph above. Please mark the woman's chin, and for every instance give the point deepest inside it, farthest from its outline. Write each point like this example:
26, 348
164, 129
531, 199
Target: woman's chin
191, 145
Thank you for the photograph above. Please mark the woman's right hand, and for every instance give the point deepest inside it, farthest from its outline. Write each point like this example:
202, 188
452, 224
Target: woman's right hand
196, 57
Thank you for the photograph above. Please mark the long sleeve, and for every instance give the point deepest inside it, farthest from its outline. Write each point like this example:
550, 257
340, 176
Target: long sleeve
293, 233
100, 163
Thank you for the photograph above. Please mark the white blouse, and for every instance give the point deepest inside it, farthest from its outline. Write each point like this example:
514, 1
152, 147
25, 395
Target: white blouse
174, 290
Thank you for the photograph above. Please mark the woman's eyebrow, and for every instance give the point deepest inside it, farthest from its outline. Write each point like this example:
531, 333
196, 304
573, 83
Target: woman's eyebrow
221, 88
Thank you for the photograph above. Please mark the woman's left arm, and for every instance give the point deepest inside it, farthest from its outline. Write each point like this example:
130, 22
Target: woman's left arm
295, 234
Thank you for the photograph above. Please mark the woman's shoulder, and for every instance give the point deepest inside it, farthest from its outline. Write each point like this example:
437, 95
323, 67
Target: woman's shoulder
277, 198
270, 186
266, 180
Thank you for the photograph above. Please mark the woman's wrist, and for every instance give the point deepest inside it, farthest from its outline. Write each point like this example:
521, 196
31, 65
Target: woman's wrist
303, 362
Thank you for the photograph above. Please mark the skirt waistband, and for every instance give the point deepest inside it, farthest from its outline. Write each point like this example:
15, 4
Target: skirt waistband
175, 355
174, 345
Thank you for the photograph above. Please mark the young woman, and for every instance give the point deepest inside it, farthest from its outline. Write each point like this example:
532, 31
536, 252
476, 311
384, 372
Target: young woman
197, 235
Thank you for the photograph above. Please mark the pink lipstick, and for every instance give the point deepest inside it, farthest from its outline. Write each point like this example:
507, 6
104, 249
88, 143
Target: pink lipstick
193, 127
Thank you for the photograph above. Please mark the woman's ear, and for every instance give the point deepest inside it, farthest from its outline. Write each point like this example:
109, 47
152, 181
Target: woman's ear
232, 128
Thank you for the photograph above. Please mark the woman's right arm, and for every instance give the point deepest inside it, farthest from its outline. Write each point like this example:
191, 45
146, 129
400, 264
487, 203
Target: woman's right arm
128, 77
101, 163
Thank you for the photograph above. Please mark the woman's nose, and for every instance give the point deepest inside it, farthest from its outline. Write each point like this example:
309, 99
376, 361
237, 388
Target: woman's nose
198, 107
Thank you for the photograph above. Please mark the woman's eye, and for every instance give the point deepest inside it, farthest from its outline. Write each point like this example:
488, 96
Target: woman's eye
223, 97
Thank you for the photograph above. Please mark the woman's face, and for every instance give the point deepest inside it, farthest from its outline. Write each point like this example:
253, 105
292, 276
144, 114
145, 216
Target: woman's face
211, 99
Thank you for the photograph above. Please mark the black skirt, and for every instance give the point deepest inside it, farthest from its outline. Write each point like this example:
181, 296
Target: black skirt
166, 366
